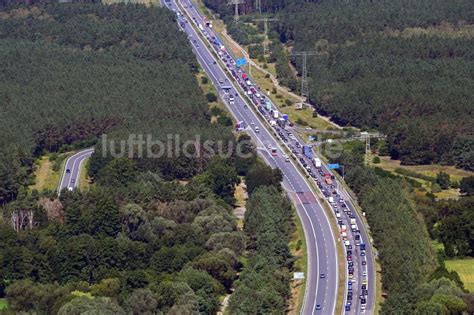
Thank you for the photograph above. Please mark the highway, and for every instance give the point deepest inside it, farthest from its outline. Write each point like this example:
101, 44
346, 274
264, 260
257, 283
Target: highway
322, 274
360, 268
72, 170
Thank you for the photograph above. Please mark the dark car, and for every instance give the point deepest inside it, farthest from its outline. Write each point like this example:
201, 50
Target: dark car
348, 307
68, 171
318, 307
364, 263
364, 287
322, 276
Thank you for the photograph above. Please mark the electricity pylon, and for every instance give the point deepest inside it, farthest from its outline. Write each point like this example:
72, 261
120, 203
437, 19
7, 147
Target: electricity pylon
258, 6
236, 3
265, 21
367, 136
304, 73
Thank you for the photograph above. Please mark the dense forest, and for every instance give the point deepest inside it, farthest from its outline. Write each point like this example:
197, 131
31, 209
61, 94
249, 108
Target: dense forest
403, 67
73, 72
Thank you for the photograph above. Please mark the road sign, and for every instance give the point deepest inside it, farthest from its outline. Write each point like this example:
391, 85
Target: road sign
298, 275
333, 166
241, 62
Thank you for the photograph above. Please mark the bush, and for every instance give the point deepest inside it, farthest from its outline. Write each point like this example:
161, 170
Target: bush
288, 102
376, 160
211, 97
443, 180
204, 80
301, 122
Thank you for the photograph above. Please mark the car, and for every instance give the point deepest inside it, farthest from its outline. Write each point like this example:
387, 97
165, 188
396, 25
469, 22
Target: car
349, 297
70, 188
364, 273
362, 253
349, 258
68, 171
365, 292
318, 307
349, 252
348, 307
73, 180
350, 264
349, 247
322, 276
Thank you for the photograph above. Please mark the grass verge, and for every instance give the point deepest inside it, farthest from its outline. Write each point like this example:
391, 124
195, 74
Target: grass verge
298, 250
45, 176
84, 180
465, 269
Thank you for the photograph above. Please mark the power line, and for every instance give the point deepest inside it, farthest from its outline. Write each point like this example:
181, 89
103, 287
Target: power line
265, 21
236, 3
304, 73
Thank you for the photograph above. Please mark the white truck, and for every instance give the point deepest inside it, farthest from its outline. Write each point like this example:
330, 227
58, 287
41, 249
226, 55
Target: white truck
354, 228
317, 162
331, 199
275, 114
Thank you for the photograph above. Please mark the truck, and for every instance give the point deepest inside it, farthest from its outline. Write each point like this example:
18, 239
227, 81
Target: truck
331, 199
354, 228
268, 105
281, 122
353, 221
241, 125
317, 162
308, 152
328, 179
275, 114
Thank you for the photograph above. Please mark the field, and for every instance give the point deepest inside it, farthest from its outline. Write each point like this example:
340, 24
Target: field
3, 304
465, 269
428, 170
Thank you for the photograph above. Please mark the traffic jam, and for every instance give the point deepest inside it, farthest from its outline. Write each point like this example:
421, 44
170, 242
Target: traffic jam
346, 219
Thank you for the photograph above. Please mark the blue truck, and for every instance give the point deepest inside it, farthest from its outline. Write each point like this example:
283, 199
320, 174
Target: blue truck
308, 152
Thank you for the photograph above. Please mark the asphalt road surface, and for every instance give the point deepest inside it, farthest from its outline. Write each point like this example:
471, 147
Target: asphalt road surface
321, 292
72, 170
